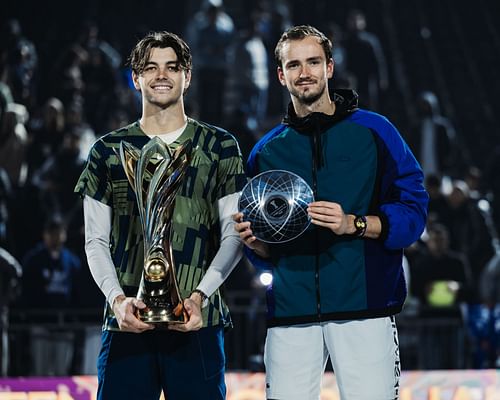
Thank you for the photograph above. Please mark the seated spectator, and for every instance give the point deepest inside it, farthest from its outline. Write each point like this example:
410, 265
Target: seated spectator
49, 270
440, 282
49, 273
440, 276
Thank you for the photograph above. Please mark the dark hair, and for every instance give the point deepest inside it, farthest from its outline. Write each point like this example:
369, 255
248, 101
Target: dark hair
438, 229
142, 50
298, 33
54, 223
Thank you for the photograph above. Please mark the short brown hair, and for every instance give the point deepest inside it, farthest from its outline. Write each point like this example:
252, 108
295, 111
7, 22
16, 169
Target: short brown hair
142, 50
298, 33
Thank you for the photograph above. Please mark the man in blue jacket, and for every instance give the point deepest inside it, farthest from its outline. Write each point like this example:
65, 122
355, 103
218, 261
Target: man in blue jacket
337, 287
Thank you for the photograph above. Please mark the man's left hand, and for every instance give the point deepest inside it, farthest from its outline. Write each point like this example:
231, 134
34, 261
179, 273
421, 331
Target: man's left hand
330, 215
192, 305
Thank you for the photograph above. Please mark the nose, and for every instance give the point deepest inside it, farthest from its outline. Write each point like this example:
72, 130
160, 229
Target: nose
304, 71
161, 73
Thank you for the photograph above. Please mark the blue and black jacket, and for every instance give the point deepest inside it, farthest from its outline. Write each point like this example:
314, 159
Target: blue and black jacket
358, 159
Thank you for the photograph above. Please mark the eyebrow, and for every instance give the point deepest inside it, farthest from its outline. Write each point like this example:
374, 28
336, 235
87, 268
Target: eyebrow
170, 63
317, 58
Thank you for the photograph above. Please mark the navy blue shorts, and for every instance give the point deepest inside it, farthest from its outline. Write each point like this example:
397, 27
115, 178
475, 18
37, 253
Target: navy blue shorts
138, 366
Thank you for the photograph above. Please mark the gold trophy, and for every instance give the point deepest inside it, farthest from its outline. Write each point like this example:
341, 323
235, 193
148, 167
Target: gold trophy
156, 174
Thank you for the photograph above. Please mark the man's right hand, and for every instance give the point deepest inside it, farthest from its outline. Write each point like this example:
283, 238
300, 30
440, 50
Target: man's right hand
125, 311
247, 237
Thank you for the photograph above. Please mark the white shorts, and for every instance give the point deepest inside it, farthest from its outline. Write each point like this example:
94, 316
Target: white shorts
364, 355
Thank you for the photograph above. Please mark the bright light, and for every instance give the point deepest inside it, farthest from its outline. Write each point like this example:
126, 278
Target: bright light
266, 278
483, 205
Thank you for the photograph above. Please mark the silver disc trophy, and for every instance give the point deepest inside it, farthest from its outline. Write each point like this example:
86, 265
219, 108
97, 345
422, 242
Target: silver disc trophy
275, 202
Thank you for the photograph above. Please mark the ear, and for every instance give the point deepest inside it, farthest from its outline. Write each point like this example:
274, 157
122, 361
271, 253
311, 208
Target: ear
330, 68
187, 75
135, 79
281, 76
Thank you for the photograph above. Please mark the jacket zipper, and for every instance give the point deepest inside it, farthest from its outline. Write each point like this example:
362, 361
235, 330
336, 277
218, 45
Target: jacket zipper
315, 165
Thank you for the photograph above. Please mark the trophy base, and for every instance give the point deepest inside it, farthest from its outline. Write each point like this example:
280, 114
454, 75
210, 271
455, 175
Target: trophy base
161, 315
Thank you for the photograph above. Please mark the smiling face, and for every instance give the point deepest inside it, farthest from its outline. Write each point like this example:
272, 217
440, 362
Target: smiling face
162, 81
305, 70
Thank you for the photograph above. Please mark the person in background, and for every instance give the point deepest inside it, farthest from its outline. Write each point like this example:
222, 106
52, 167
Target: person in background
50, 271
365, 60
211, 33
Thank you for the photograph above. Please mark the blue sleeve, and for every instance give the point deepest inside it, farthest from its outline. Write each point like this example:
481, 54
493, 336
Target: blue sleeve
404, 201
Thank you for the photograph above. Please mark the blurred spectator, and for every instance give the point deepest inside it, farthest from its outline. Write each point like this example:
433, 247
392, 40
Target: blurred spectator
492, 181
441, 277
433, 139
57, 176
365, 60
440, 281
46, 134
5, 99
14, 143
250, 69
490, 282
19, 62
342, 78
101, 75
10, 274
238, 124
5, 199
49, 278
468, 232
485, 317
100, 88
474, 180
67, 76
209, 35
274, 21
89, 38
49, 270
76, 123
487, 354
10, 277
439, 207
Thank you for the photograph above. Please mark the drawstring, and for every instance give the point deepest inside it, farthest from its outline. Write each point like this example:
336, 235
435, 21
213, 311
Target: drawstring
318, 160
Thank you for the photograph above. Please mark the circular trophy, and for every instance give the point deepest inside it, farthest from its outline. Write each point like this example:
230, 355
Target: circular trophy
275, 202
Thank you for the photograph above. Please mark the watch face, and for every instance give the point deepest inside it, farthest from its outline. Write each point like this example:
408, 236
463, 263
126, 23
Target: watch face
275, 202
360, 223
